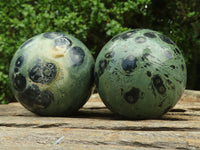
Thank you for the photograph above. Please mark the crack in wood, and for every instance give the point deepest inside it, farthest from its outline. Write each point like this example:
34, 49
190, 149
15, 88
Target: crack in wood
195, 109
119, 143
178, 110
121, 128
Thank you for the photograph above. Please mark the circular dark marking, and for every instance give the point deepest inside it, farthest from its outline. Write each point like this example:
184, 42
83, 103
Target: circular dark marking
148, 73
172, 66
53, 35
140, 39
19, 61
176, 50
110, 54
63, 41
150, 35
127, 34
102, 66
16, 70
26, 43
77, 55
165, 39
168, 54
36, 99
29, 96
132, 96
124, 35
19, 82
158, 84
129, 64
44, 99
43, 73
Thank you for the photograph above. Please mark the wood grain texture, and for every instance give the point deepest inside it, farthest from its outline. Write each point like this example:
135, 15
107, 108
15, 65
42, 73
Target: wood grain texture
95, 127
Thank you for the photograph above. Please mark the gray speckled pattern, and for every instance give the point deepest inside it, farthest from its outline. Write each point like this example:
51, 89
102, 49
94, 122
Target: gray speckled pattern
51, 74
140, 74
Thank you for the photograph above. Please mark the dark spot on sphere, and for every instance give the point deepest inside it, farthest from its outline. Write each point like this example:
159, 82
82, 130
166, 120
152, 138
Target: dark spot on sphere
182, 67
63, 41
132, 96
172, 66
29, 96
129, 64
19, 82
43, 73
165, 39
127, 34
19, 61
140, 39
148, 64
166, 75
26, 43
77, 55
52, 35
110, 54
170, 83
34, 98
44, 99
148, 73
150, 35
145, 56
124, 35
176, 51
16, 70
158, 84
102, 66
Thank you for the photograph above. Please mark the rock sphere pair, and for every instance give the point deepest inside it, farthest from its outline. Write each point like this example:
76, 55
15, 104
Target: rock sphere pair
139, 74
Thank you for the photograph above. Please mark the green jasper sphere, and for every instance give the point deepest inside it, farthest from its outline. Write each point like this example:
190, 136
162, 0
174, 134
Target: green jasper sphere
140, 74
51, 74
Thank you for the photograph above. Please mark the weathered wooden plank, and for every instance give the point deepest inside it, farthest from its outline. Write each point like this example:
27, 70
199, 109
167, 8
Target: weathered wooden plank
95, 127
93, 137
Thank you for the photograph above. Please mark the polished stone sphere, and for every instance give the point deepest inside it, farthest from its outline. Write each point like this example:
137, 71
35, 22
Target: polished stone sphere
51, 74
140, 74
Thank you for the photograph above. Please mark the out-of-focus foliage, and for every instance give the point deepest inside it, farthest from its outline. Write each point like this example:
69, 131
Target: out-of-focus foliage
94, 22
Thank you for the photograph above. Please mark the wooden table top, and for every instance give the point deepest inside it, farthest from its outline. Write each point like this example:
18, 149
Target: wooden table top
95, 127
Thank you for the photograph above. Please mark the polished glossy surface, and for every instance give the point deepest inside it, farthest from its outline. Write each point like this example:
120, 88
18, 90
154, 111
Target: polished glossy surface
51, 74
140, 74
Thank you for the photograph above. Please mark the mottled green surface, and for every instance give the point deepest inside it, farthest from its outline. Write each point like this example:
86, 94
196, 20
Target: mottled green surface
140, 74
52, 74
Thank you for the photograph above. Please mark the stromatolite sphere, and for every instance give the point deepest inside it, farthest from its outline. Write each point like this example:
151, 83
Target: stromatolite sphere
51, 74
140, 74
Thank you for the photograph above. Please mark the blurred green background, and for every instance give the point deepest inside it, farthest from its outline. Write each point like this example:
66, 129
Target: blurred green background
94, 22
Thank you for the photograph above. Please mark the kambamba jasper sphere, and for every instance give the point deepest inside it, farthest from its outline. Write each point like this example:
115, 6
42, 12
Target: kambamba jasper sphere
140, 74
51, 74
